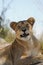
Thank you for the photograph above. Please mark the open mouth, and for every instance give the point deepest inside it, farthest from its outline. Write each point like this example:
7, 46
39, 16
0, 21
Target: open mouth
24, 35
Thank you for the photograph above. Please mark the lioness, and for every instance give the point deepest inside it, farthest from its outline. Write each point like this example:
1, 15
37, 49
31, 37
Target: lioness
25, 48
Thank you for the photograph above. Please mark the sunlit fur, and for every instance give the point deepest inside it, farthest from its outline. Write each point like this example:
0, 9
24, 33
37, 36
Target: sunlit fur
25, 49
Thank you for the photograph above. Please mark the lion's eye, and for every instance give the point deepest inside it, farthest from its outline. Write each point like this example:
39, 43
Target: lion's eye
27, 25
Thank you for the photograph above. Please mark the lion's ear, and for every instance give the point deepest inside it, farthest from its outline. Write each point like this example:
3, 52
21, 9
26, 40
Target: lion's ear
13, 25
31, 20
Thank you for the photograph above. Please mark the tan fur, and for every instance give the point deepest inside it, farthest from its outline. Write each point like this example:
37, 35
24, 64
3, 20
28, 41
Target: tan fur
24, 50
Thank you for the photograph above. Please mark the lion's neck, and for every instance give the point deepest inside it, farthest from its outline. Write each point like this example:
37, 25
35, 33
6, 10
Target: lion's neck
25, 44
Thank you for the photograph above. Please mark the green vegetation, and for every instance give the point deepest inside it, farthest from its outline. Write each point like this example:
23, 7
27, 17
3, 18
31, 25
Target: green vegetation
41, 40
10, 37
6, 34
3, 32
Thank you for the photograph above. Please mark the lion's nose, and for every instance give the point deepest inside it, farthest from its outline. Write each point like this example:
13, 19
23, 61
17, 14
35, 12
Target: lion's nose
23, 29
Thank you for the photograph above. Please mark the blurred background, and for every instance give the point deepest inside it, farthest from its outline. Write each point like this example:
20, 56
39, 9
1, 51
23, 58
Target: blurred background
16, 10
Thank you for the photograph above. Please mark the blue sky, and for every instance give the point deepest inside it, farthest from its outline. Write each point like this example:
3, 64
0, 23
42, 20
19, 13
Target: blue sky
23, 9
